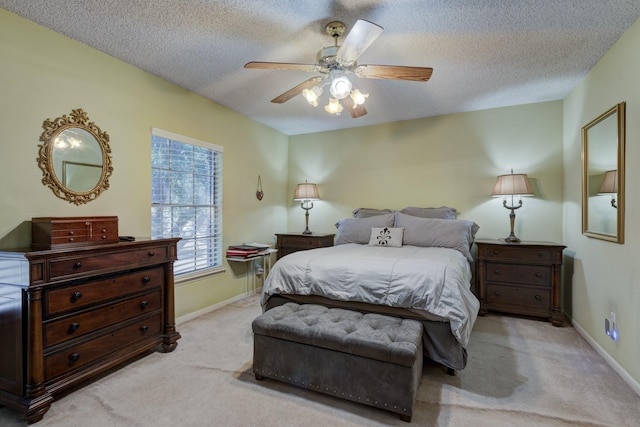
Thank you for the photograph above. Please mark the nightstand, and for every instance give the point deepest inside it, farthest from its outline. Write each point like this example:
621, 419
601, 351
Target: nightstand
521, 278
292, 242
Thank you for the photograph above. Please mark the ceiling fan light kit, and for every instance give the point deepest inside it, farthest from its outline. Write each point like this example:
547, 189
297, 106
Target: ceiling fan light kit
333, 107
340, 86
312, 95
336, 62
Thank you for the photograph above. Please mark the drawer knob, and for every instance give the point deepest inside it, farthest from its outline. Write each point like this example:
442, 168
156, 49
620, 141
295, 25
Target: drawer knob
538, 298
74, 327
538, 274
496, 293
144, 304
71, 233
76, 296
496, 271
152, 253
74, 357
77, 264
144, 329
146, 279
104, 230
103, 236
496, 252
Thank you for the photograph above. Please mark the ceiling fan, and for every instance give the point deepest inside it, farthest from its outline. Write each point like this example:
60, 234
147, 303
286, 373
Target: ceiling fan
335, 63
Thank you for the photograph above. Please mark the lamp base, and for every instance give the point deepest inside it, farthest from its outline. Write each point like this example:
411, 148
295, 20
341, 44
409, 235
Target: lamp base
512, 220
306, 218
511, 239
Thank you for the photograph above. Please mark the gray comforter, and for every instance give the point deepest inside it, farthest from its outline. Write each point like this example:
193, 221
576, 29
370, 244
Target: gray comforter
433, 280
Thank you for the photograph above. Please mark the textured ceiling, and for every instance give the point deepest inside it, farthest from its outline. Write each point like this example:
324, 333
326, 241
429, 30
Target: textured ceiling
484, 53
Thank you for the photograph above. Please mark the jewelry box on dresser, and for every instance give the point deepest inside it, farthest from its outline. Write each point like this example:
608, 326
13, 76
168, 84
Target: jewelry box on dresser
78, 308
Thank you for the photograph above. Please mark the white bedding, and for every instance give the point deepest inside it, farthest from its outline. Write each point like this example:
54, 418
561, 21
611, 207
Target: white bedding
436, 280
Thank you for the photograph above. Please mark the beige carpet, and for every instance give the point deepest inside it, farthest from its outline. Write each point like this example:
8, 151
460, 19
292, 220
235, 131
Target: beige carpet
521, 372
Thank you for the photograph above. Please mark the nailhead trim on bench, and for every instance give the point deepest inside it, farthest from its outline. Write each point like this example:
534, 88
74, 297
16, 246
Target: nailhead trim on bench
270, 374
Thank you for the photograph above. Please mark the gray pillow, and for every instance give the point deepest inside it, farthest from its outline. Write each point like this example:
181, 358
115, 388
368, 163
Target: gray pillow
358, 230
367, 212
443, 212
437, 232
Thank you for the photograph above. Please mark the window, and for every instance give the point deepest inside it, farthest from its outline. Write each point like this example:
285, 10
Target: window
186, 200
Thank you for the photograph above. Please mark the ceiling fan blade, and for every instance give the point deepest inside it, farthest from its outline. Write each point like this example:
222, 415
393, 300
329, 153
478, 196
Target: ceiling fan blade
280, 66
355, 110
394, 72
357, 41
296, 90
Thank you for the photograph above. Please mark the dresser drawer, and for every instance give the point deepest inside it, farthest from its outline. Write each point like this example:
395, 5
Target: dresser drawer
92, 264
76, 356
515, 253
74, 297
518, 273
74, 326
300, 242
88, 232
293, 242
519, 300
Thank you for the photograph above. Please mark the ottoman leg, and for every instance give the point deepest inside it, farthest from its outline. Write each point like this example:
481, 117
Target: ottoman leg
405, 418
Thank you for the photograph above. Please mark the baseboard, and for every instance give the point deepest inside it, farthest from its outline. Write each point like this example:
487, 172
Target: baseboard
610, 360
193, 315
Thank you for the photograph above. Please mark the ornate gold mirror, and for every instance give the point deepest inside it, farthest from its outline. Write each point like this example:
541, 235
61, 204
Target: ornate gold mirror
75, 157
603, 150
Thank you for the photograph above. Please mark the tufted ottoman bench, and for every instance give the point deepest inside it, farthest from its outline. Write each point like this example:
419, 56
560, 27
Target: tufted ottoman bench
367, 358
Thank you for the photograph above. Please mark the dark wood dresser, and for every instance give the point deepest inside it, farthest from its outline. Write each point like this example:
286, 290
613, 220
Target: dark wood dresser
71, 313
287, 243
521, 278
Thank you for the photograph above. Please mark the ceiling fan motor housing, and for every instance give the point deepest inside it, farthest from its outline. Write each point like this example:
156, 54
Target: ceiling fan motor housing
326, 58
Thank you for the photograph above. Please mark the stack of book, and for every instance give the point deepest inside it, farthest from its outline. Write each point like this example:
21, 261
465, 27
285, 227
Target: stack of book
246, 251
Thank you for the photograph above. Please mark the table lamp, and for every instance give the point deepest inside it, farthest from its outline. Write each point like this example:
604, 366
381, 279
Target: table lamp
306, 193
513, 185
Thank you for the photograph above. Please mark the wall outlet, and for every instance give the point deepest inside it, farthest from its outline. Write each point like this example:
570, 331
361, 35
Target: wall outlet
610, 327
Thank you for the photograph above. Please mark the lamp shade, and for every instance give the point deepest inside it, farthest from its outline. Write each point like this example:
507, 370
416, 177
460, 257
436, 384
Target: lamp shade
512, 185
609, 182
306, 191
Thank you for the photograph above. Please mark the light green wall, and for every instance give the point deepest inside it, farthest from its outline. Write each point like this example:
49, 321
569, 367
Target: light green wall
449, 160
45, 75
605, 274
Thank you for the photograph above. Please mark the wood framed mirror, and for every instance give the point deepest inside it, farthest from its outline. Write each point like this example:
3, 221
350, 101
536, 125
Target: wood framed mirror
75, 157
603, 158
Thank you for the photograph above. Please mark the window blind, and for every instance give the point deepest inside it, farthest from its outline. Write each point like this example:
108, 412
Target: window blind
186, 198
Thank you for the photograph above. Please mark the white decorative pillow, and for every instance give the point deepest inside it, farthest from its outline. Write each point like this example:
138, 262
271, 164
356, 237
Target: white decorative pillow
386, 236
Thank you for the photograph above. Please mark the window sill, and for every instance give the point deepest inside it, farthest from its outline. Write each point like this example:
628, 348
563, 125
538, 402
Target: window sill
197, 275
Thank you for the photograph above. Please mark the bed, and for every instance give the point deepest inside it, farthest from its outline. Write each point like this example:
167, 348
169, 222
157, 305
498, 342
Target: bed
395, 264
